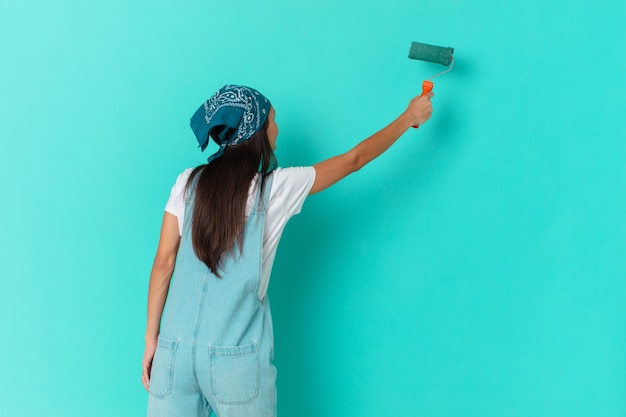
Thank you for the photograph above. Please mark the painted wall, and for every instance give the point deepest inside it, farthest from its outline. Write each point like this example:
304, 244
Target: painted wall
476, 269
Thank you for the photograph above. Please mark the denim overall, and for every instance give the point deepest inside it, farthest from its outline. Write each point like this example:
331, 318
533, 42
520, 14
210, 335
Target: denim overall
215, 347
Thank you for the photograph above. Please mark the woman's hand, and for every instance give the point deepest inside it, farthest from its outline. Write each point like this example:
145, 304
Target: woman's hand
420, 109
148, 355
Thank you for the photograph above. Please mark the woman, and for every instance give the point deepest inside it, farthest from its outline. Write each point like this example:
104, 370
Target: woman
211, 349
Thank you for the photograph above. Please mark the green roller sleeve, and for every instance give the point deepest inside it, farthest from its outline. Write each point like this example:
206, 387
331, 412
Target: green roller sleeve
430, 53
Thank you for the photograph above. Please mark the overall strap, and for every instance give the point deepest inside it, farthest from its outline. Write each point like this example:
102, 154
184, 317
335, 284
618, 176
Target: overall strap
261, 202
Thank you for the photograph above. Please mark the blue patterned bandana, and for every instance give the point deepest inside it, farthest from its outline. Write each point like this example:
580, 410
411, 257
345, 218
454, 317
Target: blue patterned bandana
241, 110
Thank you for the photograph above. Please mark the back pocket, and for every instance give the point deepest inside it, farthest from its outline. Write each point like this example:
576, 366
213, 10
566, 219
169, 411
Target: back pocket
234, 373
162, 375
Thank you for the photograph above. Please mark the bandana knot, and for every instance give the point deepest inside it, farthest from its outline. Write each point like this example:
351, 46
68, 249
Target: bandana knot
241, 111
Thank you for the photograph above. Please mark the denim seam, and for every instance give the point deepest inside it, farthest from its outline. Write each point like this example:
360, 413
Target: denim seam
197, 330
170, 370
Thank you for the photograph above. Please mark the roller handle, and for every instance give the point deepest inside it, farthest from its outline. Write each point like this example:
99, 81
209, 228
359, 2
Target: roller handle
427, 87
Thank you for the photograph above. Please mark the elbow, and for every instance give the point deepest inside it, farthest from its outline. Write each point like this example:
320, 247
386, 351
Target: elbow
164, 262
356, 161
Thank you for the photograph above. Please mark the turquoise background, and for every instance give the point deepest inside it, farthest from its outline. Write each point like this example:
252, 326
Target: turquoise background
476, 269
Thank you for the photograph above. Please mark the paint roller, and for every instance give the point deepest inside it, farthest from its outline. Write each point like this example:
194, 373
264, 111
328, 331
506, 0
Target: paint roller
434, 54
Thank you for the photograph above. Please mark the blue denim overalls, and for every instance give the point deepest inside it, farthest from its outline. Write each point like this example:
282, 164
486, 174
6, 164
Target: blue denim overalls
215, 347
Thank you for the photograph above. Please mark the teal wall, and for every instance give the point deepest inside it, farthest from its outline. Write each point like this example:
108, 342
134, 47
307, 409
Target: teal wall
477, 269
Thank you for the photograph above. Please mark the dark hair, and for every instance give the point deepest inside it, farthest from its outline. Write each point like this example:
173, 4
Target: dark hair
221, 193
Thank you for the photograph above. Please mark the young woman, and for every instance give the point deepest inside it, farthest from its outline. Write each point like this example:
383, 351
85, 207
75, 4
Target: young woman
211, 348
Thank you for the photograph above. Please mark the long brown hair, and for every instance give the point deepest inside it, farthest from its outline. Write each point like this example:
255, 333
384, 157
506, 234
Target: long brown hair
221, 193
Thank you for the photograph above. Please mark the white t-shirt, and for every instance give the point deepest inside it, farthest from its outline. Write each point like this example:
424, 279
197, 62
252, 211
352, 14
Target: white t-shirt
290, 188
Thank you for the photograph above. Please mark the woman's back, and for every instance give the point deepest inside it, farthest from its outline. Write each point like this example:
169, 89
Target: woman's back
290, 187
216, 334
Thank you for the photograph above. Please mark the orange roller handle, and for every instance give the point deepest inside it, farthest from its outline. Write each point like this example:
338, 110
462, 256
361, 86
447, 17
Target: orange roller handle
427, 87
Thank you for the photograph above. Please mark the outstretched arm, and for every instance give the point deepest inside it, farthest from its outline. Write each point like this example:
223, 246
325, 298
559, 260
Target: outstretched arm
162, 270
332, 170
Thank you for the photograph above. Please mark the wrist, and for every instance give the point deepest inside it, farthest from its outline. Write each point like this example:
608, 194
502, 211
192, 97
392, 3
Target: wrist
405, 120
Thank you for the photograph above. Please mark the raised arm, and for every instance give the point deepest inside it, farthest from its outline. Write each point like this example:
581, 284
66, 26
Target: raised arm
162, 270
332, 170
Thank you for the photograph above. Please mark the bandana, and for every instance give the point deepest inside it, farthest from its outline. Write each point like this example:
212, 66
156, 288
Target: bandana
241, 110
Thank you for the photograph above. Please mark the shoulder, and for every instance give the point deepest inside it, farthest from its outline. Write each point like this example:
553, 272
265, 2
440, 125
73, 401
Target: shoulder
294, 176
181, 182
177, 192
290, 187
184, 176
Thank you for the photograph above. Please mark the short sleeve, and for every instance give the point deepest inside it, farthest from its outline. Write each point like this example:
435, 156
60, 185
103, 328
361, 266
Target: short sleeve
176, 203
290, 189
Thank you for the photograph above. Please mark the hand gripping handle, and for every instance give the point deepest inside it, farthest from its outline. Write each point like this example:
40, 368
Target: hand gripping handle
427, 87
